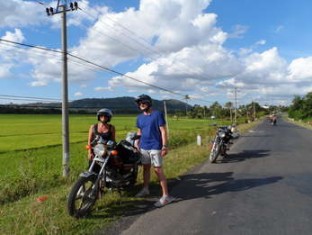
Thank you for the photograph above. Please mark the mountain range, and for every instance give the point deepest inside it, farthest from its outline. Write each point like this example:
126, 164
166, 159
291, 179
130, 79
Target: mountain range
119, 105
127, 105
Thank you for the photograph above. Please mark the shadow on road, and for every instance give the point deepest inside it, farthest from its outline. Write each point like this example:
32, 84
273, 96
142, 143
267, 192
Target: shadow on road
192, 186
245, 154
290, 125
205, 185
188, 187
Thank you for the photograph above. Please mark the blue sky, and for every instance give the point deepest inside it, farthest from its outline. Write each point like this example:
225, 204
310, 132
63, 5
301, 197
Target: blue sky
166, 48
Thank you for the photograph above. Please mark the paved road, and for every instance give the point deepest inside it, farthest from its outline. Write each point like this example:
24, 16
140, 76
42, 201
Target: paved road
263, 188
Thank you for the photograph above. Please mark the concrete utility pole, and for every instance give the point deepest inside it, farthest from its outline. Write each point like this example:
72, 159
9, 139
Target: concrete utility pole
235, 114
63, 8
254, 110
166, 117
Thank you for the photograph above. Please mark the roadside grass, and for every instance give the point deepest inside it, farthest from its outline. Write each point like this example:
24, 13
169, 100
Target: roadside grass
28, 216
303, 123
29, 174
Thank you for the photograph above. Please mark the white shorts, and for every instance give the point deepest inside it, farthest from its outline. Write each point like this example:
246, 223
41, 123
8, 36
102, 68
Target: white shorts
152, 157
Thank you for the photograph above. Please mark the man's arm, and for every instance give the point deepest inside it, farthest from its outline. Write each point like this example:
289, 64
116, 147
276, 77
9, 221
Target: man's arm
164, 138
137, 141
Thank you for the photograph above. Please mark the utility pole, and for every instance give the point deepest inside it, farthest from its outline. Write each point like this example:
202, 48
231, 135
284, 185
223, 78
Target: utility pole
166, 117
62, 9
254, 110
235, 114
231, 116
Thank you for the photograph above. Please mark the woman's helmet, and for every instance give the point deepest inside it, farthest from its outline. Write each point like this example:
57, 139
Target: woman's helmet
144, 99
106, 112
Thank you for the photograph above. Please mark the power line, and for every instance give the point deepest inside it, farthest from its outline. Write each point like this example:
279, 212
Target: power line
29, 98
124, 75
96, 65
30, 46
102, 68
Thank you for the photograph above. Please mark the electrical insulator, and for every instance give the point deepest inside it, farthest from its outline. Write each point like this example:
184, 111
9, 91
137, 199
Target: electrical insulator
76, 5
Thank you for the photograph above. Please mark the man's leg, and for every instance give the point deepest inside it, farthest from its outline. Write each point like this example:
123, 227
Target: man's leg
165, 199
162, 179
146, 179
146, 175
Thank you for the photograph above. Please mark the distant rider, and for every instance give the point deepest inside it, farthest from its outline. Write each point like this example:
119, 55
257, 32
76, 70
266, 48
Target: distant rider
273, 119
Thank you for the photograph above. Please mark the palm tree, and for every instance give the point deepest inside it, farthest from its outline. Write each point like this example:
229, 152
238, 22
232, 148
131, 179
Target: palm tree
186, 99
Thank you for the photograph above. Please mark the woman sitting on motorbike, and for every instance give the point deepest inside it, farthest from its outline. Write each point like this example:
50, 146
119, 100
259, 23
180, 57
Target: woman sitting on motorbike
102, 128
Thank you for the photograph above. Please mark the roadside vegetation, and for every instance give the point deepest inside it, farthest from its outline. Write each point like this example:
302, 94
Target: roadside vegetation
301, 109
33, 192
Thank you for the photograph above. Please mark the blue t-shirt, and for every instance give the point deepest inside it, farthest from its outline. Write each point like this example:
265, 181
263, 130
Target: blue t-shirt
149, 125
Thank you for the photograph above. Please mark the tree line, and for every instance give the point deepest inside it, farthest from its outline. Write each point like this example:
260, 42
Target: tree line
301, 108
245, 113
228, 111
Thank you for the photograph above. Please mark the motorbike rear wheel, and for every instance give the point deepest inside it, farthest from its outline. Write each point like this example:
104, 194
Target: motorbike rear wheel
215, 151
83, 196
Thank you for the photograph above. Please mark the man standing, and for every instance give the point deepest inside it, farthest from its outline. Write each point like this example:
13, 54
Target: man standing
153, 144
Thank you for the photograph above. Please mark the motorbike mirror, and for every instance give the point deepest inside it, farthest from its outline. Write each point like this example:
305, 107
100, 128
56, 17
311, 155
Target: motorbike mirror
110, 143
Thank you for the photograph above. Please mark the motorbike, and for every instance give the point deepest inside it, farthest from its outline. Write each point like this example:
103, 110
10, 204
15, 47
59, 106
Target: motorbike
113, 167
221, 142
273, 121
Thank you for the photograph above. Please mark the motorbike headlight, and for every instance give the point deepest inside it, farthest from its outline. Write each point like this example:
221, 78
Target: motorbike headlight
222, 134
99, 150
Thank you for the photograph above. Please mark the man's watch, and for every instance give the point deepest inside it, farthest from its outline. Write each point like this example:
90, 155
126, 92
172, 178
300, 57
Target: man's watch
164, 147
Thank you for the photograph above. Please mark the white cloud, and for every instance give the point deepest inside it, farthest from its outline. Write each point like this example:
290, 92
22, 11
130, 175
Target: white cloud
261, 42
16, 36
38, 83
190, 55
103, 89
238, 31
264, 74
300, 70
187, 52
182, 47
279, 28
17, 13
5, 70
78, 94
10, 57
267, 67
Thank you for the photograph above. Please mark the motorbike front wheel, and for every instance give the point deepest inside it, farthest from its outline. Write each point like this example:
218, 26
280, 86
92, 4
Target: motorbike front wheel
82, 196
215, 151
